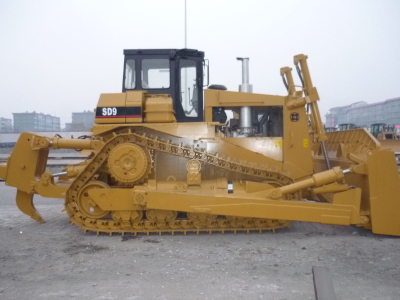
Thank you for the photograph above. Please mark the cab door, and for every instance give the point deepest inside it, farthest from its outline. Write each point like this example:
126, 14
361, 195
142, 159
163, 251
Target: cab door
190, 93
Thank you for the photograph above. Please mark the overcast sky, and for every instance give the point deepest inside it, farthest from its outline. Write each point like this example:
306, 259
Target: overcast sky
57, 57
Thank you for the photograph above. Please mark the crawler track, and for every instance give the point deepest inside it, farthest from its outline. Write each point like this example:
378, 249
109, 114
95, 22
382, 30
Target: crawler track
206, 224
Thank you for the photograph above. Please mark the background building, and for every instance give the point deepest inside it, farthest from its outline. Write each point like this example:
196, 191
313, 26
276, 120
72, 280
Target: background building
81, 121
5, 125
363, 114
35, 122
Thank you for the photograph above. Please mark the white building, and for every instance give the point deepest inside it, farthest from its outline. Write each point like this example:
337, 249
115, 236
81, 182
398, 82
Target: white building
5, 125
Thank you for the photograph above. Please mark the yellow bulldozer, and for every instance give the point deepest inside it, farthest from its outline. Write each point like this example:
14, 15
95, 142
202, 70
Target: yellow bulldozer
172, 153
382, 132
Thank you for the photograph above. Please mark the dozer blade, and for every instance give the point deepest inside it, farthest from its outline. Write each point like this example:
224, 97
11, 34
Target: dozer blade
384, 185
25, 204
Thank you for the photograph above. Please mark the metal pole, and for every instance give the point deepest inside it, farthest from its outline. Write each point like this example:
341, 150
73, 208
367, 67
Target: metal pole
186, 96
185, 27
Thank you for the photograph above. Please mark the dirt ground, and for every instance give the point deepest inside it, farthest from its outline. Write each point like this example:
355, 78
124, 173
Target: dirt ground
57, 261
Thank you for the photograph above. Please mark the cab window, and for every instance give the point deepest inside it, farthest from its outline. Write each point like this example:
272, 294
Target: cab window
130, 82
155, 74
189, 91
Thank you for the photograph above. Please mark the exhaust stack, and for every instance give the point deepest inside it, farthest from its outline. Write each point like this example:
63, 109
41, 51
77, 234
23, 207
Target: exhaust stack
245, 116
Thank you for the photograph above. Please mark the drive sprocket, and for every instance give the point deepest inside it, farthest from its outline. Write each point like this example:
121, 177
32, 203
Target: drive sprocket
129, 163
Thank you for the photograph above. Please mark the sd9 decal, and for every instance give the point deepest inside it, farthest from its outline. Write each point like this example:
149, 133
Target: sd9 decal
109, 111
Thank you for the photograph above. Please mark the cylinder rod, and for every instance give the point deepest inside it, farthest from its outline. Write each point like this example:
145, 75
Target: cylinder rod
59, 143
317, 180
59, 174
245, 115
326, 156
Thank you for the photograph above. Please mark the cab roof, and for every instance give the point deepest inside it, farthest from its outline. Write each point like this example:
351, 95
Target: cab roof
170, 52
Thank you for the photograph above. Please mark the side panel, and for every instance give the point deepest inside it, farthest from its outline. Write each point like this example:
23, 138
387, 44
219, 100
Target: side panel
297, 143
134, 106
267, 146
111, 109
218, 98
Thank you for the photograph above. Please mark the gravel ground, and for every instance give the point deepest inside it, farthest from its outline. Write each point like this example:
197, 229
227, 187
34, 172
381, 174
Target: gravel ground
56, 261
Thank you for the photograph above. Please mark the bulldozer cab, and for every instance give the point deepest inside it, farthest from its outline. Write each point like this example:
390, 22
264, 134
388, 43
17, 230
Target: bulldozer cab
178, 73
330, 129
377, 128
348, 126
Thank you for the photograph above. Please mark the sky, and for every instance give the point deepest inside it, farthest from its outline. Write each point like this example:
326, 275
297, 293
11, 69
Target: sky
57, 57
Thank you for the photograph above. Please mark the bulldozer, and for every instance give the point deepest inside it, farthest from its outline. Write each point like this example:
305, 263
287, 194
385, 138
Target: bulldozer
381, 131
173, 154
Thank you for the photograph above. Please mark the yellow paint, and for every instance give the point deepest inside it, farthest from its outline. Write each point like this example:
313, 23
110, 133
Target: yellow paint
305, 143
